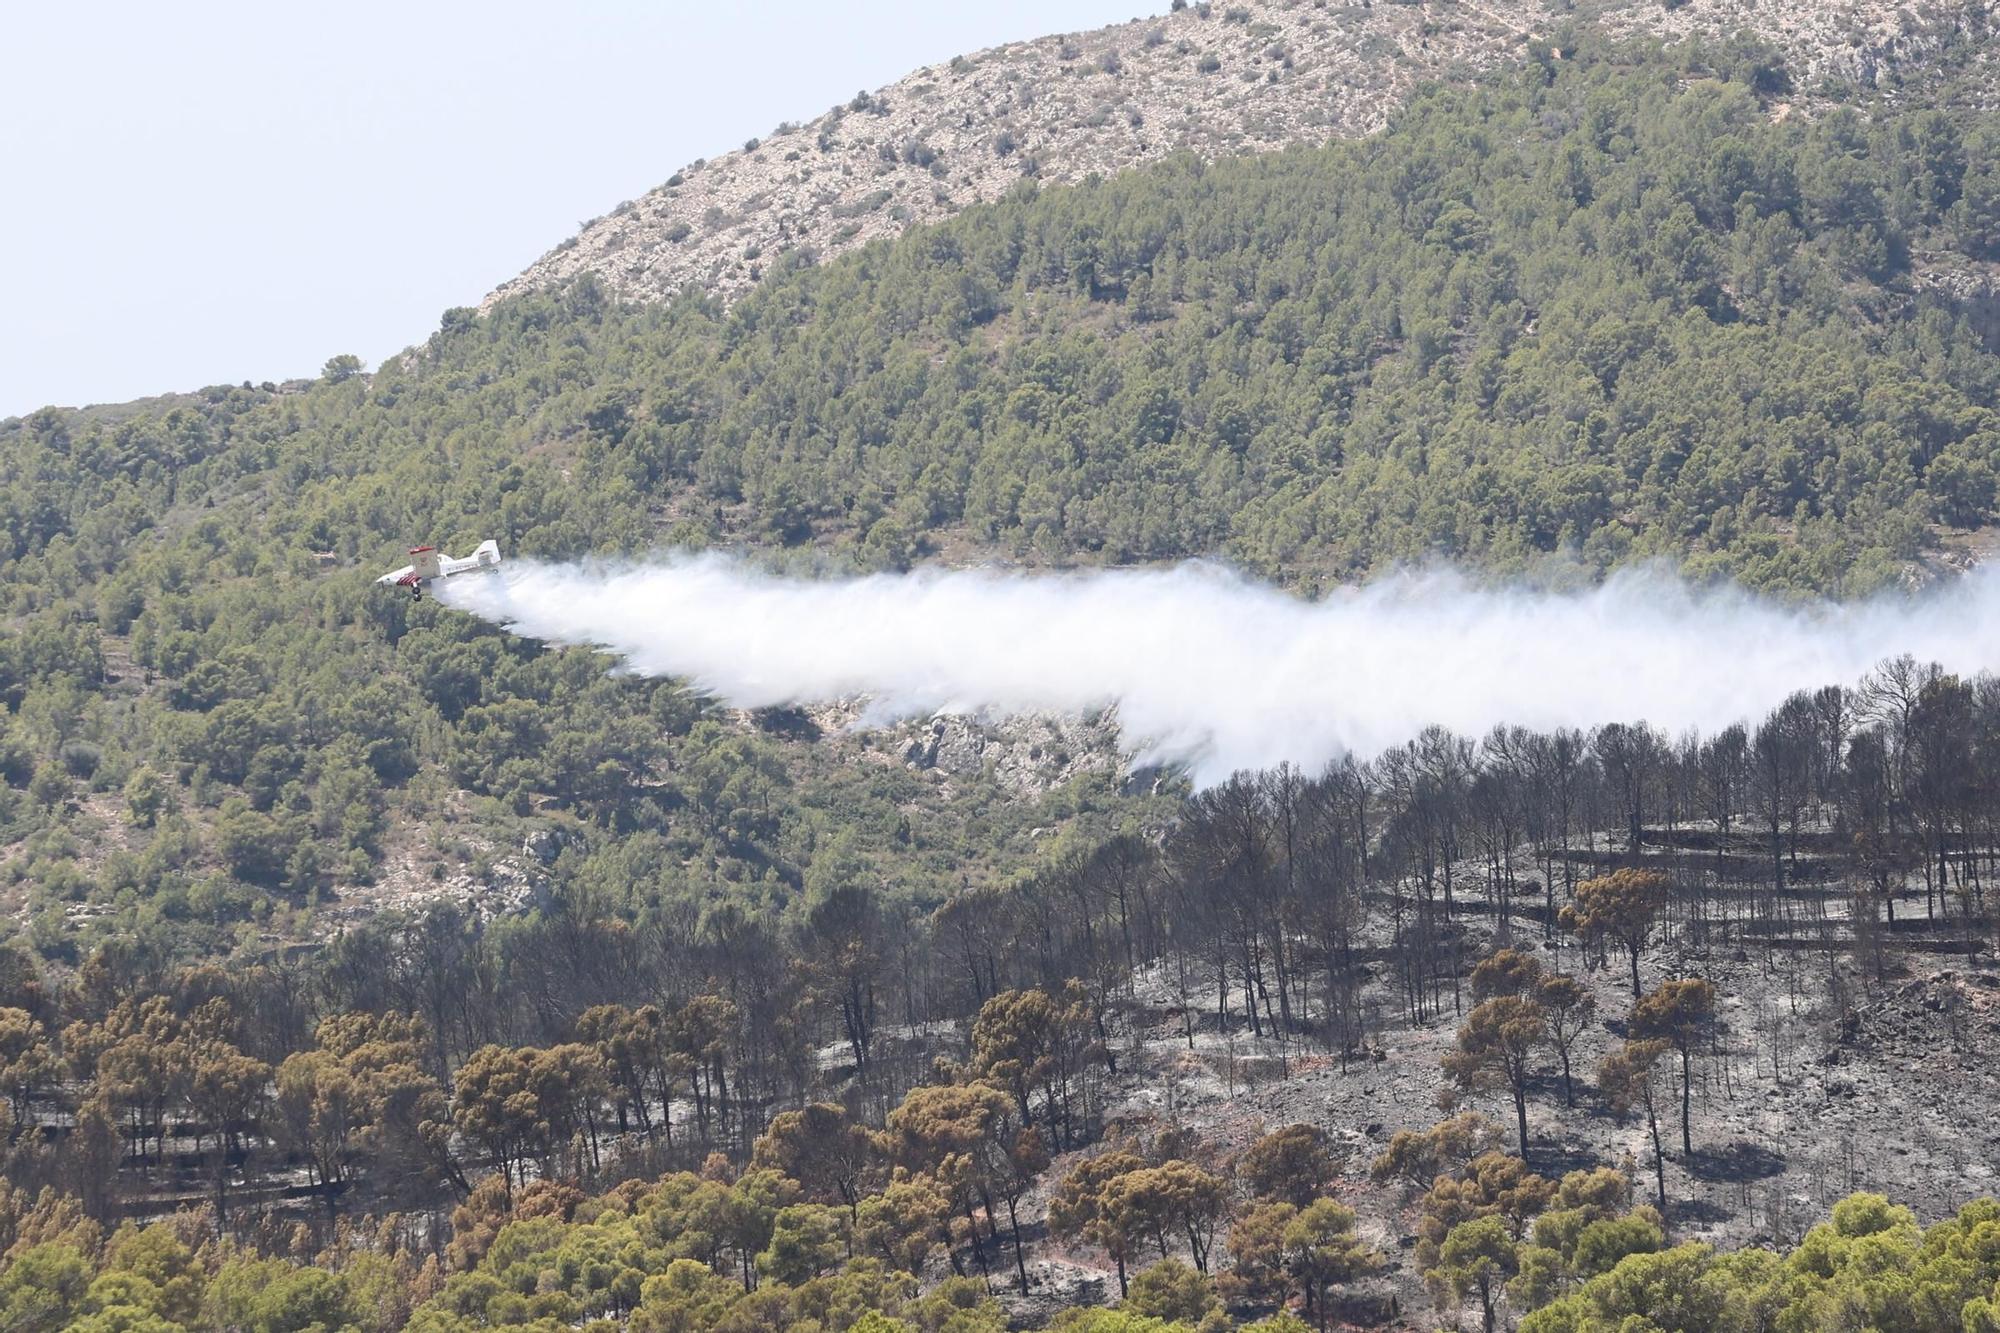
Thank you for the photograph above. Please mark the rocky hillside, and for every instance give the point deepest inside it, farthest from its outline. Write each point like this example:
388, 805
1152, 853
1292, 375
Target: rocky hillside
1215, 79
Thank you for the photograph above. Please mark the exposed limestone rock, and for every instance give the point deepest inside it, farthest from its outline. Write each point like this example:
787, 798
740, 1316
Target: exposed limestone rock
1213, 79
546, 844
1027, 754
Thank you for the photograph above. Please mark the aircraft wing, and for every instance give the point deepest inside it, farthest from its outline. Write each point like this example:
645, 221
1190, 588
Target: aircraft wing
398, 575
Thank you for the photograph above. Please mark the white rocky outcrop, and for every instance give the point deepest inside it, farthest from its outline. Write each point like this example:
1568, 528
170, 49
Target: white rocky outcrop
1212, 79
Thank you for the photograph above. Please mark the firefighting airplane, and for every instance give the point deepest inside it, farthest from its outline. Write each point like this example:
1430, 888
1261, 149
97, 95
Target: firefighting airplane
431, 564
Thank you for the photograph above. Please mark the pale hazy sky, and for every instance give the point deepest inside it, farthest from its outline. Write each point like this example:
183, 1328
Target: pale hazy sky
202, 193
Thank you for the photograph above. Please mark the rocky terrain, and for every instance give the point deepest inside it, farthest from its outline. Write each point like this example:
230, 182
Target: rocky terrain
1027, 754
1214, 79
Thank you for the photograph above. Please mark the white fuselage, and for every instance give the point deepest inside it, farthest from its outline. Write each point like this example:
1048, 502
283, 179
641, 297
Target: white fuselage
431, 564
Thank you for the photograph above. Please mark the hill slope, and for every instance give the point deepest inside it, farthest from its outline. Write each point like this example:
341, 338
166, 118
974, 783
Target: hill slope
1598, 308
1612, 311
1215, 80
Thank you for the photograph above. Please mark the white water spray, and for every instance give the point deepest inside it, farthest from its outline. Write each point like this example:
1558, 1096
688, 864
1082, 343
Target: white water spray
1219, 672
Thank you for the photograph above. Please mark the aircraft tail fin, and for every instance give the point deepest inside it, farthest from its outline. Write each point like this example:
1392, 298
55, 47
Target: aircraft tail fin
487, 552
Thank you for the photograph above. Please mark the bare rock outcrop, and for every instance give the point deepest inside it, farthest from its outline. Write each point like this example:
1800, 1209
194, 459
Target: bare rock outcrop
1026, 754
1214, 79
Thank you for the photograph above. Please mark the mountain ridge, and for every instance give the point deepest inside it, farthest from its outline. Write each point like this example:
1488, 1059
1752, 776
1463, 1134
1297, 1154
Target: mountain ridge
1212, 79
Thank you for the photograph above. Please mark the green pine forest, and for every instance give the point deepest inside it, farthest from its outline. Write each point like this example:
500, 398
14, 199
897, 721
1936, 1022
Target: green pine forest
1621, 303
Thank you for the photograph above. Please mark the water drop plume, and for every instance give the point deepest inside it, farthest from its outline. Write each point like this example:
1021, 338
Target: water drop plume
1216, 671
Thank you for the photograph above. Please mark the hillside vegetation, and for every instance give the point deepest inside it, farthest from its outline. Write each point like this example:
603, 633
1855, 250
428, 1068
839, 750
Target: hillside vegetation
1605, 308
668, 1257
770, 1025
1610, 307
